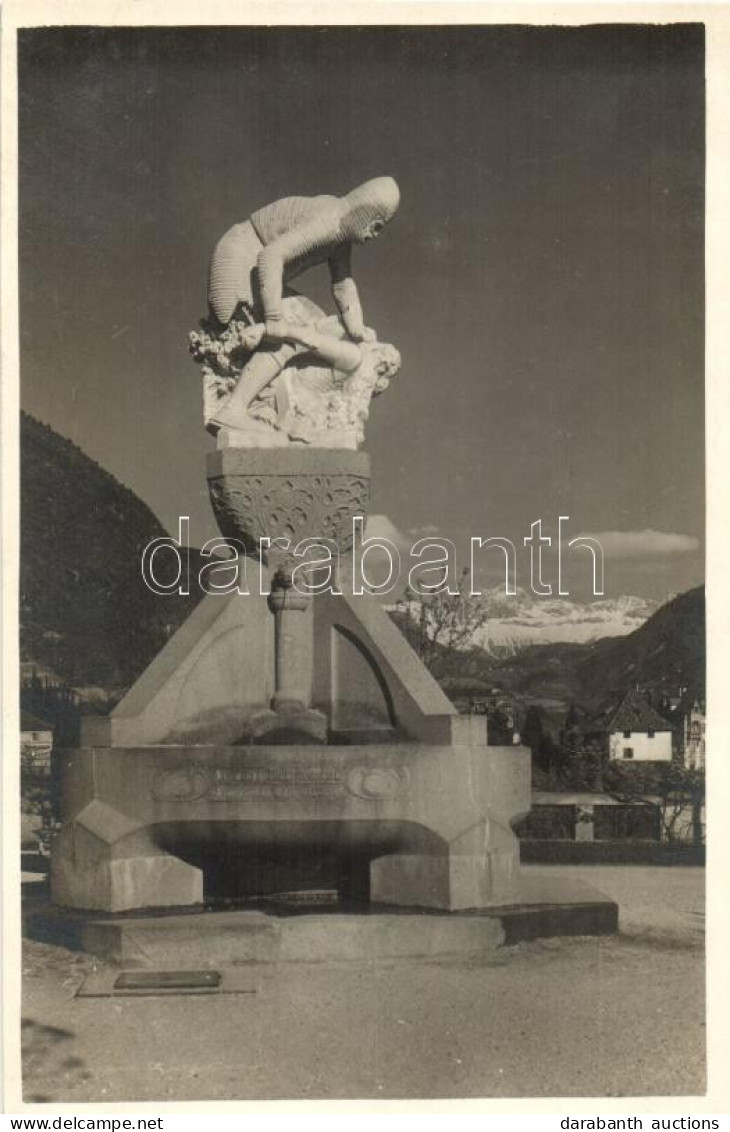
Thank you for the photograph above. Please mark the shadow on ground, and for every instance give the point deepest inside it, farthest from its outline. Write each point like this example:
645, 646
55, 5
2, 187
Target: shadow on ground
47, 1056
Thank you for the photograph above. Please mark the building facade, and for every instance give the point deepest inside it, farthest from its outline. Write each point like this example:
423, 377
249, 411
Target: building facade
693, 752
636, 732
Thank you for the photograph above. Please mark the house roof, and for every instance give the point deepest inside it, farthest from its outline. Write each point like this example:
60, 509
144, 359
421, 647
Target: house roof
30, 722
635, 714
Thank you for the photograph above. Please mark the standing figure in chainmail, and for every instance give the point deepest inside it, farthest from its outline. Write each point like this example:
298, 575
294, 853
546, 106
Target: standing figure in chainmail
254, 261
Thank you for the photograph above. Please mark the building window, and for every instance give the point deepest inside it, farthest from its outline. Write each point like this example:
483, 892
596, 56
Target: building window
651, 732
627, 734
628, 752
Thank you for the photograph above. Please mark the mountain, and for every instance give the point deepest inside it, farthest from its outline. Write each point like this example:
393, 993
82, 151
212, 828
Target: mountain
86, 615
520, 620
661, 656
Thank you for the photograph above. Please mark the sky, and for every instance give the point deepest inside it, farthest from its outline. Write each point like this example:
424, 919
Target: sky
543, 278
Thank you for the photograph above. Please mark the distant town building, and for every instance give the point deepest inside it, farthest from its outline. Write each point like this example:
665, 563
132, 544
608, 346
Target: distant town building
36, 743
32, 670
693, 753
686, 715
634, 731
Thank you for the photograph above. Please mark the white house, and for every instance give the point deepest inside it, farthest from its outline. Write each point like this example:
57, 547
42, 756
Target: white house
638, 733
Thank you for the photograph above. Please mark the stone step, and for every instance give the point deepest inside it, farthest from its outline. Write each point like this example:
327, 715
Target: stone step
261, 937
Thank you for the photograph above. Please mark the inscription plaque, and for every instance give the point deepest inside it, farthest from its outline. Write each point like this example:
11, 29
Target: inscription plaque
231, 784
196, 782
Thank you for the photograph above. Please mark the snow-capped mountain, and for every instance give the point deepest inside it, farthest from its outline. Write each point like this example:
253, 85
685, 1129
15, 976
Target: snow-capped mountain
516, 621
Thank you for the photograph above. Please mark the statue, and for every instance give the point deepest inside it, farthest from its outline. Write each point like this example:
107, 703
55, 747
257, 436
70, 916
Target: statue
288, 712
259, 391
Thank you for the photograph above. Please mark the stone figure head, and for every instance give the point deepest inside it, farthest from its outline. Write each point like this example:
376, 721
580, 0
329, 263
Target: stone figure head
368, 208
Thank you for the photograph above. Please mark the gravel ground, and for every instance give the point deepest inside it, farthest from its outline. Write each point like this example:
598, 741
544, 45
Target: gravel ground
612, 1016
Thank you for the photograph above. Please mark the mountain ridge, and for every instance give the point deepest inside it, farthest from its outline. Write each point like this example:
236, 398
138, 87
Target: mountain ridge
520, 620
664, 654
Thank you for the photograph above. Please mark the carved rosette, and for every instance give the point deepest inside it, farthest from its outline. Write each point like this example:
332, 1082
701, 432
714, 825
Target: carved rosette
290, 494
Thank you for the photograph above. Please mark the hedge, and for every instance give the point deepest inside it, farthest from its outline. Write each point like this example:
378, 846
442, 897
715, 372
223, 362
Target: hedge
625, 852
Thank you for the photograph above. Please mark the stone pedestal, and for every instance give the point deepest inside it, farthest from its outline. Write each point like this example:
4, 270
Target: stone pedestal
236, 941
286, 495
426, 826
